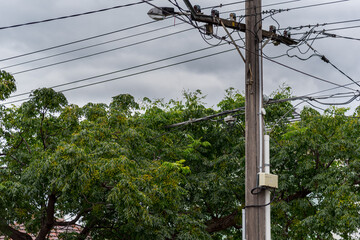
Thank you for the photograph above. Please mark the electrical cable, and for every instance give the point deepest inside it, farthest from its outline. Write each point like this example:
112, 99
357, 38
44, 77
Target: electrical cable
87, 47
101, 52
316, 5
292, 68
133, 74
289, 9
121, 70
331, 29
332, 35
226, 4
261, 205
320, 24
77, 41
74, 15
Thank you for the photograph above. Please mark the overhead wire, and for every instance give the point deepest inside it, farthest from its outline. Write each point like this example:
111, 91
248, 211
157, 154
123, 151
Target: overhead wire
121, 70
87, 47
286, 66
226, 4
332, 35
139, 73
320, 24
289, 9
75, 15
77, 41
134, 74
101, 52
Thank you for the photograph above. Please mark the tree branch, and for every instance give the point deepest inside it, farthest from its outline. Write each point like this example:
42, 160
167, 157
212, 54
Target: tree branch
86, 230
13, 233
219, 224
72, 222
300, 194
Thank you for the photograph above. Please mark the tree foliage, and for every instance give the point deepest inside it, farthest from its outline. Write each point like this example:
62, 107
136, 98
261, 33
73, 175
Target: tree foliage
120, 172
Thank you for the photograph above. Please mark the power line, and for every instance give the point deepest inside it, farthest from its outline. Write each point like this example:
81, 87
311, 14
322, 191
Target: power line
319, 24
134, 74
275, 101
77, 41
121, 70
226, 4
87, 47
289, 9
281, 64
317, 5
339, 36
101, 52
307, 74
74, 15
327, 30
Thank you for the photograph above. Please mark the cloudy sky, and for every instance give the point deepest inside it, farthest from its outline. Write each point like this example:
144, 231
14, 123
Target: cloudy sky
126, 41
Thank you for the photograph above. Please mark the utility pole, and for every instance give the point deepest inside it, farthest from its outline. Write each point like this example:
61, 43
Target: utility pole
255, 223
255, 216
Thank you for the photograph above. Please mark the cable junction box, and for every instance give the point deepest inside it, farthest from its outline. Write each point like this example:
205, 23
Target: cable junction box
267, 180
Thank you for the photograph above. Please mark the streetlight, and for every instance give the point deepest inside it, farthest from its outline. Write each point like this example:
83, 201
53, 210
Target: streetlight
161, 13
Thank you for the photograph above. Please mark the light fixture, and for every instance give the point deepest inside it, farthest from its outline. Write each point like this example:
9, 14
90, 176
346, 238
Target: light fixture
161, 13
229, 120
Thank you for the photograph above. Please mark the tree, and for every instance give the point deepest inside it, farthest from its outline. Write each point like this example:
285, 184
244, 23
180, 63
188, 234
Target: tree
121, 172
317, 160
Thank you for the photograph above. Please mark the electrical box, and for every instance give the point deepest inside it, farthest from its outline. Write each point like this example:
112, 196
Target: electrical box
267, 180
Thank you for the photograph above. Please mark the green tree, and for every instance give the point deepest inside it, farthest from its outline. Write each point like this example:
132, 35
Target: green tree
317, 160
123, 171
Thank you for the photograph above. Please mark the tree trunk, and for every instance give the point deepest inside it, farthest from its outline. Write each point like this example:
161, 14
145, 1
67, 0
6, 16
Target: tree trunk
49, 222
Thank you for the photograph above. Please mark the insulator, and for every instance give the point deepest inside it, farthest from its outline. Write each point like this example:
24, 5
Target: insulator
215, 13
272, 29
197, 8
287, 34
233, 17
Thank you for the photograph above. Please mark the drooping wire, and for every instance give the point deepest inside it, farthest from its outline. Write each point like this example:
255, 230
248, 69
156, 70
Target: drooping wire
286, 66
87, 47
77, 41
74, 15
134, 74
101, 52
290, 9
121, 70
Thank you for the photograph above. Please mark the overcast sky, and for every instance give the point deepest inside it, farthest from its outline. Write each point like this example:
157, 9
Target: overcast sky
212, 75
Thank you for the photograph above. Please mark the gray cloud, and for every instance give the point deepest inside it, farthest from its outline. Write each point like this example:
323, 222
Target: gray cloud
212, 75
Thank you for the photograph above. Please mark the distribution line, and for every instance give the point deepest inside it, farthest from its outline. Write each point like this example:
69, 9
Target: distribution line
121, 70
134, 74
227, 4
87, 47
101, 52
320, 24
267, 5
77, 41
294, 8
327, 30
74, 15
281, 64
